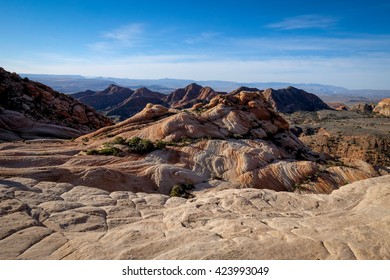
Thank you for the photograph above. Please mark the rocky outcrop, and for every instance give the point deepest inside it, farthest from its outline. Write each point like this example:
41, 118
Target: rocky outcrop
32, 110
105, 99
290, 100
383, 107
190, 95
52, 220
15, 126
363, 108
338, 106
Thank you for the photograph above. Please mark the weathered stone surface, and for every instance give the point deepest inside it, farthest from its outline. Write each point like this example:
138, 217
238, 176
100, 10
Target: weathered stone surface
352, 222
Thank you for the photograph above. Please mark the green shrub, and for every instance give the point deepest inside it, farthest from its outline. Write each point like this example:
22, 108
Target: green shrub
92, 152
119, 140
160, 145
107, 151
140, 146
181, 190
134, 145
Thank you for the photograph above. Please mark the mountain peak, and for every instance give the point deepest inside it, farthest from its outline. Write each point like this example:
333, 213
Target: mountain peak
291, 99
193, 86
145, 92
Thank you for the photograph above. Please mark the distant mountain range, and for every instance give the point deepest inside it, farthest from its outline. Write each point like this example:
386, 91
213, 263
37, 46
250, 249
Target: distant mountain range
121, 103
77, 83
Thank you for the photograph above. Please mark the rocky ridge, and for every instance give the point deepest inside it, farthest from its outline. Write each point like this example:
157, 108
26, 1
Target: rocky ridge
136, 102
283, 100
291, 100
32, 110
105, 99
190, 95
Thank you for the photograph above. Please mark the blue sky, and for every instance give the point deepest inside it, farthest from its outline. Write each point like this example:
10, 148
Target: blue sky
343, 43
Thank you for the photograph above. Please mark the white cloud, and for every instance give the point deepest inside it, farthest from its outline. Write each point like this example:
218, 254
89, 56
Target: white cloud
127, 33
204, 36
304, 22
131, 35
365, 45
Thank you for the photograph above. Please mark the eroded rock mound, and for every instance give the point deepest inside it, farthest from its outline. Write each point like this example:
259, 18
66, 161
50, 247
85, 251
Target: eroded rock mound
32, 110
363, 108
383, 107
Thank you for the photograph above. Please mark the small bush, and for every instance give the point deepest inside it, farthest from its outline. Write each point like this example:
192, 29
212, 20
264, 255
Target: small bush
182, 190
140, 146
160, 145
134, 145
119, 140
107, 151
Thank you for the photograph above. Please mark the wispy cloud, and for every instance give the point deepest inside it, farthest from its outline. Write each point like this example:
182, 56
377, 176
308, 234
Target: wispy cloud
304, 22
127, 33
335, 46
204, 36
122, 37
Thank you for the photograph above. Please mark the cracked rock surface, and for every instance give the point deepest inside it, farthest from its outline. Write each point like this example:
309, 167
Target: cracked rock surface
49, 220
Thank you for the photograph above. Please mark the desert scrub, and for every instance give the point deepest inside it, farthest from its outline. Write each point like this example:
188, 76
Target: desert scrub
119, 140
182, 190
140, 146
160, 145
106, 151
134, 145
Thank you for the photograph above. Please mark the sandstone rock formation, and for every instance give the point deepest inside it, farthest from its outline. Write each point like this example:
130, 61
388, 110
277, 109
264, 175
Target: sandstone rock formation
190, 95
291, 99
338, 106
363, 108
15, 126
32, 110
52, 220
383, 107
238, 138
58, 200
